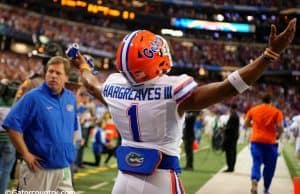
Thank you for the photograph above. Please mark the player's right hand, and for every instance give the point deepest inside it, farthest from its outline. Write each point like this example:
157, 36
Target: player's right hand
278, 43
78, 61
32, 161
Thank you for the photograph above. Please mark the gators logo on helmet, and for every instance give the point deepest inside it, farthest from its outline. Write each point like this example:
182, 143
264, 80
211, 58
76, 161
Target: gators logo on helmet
142, 56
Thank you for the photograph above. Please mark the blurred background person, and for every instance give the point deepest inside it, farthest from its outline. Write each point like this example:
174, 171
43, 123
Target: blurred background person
267, 127
86, 123
199, 127
295, 130
98, 144
112, 137
7, 153
231, 136
188, 139
37, 78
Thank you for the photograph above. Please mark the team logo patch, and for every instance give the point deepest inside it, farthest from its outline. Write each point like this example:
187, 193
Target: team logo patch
134, 159
70, 107
155, 47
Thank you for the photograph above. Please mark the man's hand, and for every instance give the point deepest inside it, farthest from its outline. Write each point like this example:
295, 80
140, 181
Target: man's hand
78, 61
32, 161
278, 43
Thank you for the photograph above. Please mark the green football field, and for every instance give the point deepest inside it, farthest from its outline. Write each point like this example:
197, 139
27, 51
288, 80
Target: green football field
100, 180
292, 161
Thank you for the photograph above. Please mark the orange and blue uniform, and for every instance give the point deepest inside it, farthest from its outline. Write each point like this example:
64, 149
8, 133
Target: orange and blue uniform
264, 149
264, 117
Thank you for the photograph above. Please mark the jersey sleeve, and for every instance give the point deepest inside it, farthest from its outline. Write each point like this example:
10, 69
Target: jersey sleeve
183, 88
20, 114
279, 117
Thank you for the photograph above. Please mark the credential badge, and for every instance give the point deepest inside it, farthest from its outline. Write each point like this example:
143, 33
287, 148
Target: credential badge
70, 107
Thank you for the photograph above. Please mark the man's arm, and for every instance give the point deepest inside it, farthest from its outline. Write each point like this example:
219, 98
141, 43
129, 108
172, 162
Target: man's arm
19, 143
247, 123
279, 130
90, 81
209, 94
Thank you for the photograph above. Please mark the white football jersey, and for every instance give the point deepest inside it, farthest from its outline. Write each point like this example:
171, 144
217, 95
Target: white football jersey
146, 115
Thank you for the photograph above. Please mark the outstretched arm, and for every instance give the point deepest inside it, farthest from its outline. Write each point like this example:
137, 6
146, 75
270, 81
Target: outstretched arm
209, 94
90, 82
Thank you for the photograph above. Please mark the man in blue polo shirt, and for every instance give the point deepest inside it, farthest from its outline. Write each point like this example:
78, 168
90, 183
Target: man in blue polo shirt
41, 125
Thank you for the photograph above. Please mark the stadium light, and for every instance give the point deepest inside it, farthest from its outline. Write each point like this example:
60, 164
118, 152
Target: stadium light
20, 48
263, 17
106, 63
216, 35
229, 36
220, 17
175, 33
250, 18
210, 25
201, 71
43, 39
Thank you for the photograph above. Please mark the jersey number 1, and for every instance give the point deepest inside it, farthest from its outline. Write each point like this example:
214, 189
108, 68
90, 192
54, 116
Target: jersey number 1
134, 124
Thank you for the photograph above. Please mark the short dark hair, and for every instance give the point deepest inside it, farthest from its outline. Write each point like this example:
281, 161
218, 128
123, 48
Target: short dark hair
58, 60
267, 98
233, 106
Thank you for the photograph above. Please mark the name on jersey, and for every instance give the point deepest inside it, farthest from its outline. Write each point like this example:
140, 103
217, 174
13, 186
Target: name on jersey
139, 94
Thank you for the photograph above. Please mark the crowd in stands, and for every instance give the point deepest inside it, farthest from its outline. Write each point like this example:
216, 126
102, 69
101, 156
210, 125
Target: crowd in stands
265, 3
259, 3
228, 54
194, 54
200, 9
18, 67
22, 21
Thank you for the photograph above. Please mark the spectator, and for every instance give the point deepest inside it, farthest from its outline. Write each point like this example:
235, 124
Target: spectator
231, 135
7, 154
41, 125
198, 127
98, 141
265, 120
188, 139
112, 137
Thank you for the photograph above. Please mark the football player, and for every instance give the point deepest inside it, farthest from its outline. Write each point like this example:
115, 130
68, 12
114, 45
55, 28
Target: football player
148, 106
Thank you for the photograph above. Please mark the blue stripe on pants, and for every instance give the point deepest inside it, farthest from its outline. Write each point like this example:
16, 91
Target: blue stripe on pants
265, 154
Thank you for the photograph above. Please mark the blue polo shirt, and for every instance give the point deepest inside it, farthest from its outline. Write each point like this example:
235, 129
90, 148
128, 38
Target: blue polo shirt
48, 122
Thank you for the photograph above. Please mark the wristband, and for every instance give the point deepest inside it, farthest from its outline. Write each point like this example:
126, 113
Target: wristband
237, 82
272, 52
84, 67
270, 55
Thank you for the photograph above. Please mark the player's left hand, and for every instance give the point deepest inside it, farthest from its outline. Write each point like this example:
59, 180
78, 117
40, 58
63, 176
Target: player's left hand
278, 42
